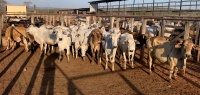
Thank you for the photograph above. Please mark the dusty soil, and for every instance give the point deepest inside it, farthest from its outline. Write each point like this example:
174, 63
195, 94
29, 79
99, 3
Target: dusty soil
28, 73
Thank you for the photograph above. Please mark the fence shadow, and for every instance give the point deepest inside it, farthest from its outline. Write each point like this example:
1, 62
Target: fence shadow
34, 76
14, 80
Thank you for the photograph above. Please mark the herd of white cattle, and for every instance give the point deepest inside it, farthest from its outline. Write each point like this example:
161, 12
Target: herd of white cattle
81, 37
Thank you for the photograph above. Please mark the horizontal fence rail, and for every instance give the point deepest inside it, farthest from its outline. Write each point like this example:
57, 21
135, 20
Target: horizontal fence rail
157, 8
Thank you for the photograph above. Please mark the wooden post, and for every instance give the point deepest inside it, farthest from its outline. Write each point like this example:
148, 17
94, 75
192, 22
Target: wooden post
117, 23
144, 23
187, 30
87, 20
32, 19
62, 20
99, 21
197, 38
94, 19
1, 27
53, 18
50, 20
162, 31
68, 20
46, 19
143, 32
65, 20
132, 26
111, 22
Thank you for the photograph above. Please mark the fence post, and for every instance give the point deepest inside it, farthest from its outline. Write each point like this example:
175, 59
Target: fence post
144, 23
117, 23
32, 19
62, 20
46, 18
132, 26
162, 31
111, 22
1, 28
53, 18
196, 40
187, 30
87, 20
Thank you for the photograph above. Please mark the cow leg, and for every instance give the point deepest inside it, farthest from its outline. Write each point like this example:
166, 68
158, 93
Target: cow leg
41, 48
150, 62
60, 55
67, 53
175, 72
171, 69
112, 62
106, 67
76, 52
98, 57
73, 51
12, 45
8, 45
184, 66
25, 44
45, 49
124, 55
132, 59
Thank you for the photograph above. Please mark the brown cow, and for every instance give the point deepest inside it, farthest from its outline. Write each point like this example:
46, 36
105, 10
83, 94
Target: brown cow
95, 40
16, 34
174, 53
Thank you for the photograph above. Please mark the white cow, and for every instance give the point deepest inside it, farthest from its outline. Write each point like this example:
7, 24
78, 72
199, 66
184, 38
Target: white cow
127, 48
110, 45
63, 40
42, 36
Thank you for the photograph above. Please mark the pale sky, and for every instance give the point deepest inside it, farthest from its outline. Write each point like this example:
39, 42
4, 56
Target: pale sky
71, 3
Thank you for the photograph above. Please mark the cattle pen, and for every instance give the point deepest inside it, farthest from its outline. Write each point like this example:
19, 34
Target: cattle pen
66, 19
28, 73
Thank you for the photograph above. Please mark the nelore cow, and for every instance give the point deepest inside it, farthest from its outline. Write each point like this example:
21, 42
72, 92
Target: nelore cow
16, 34
63, 40
173, 53
110, 45
127, 46
43, 36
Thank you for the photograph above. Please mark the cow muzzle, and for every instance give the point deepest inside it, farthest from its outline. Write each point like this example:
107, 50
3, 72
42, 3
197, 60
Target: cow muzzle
130, 50
114, 47
60, 39
188, 55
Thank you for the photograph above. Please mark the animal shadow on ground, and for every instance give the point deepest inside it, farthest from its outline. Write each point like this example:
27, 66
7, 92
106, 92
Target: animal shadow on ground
47, 85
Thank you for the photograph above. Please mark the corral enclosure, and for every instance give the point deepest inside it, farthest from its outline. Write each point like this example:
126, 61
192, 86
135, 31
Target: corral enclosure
27, 73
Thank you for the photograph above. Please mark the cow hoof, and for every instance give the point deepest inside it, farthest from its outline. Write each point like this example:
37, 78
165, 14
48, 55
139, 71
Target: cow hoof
132, 67
124, 69
83, 58
150, 73
106, 68
99, 64
113, 70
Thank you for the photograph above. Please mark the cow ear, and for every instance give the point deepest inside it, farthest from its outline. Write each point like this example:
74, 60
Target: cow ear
196, 47
125, 41
69, 35
178, 45
64, 32
137, 42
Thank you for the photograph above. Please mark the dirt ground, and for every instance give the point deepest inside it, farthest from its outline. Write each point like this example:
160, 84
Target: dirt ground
28, 73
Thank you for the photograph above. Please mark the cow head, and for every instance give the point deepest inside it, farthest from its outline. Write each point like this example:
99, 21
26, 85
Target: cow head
62, 32
186, 47
114, 37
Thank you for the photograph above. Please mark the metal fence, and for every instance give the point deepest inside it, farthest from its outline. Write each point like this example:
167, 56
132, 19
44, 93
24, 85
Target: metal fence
181, 7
